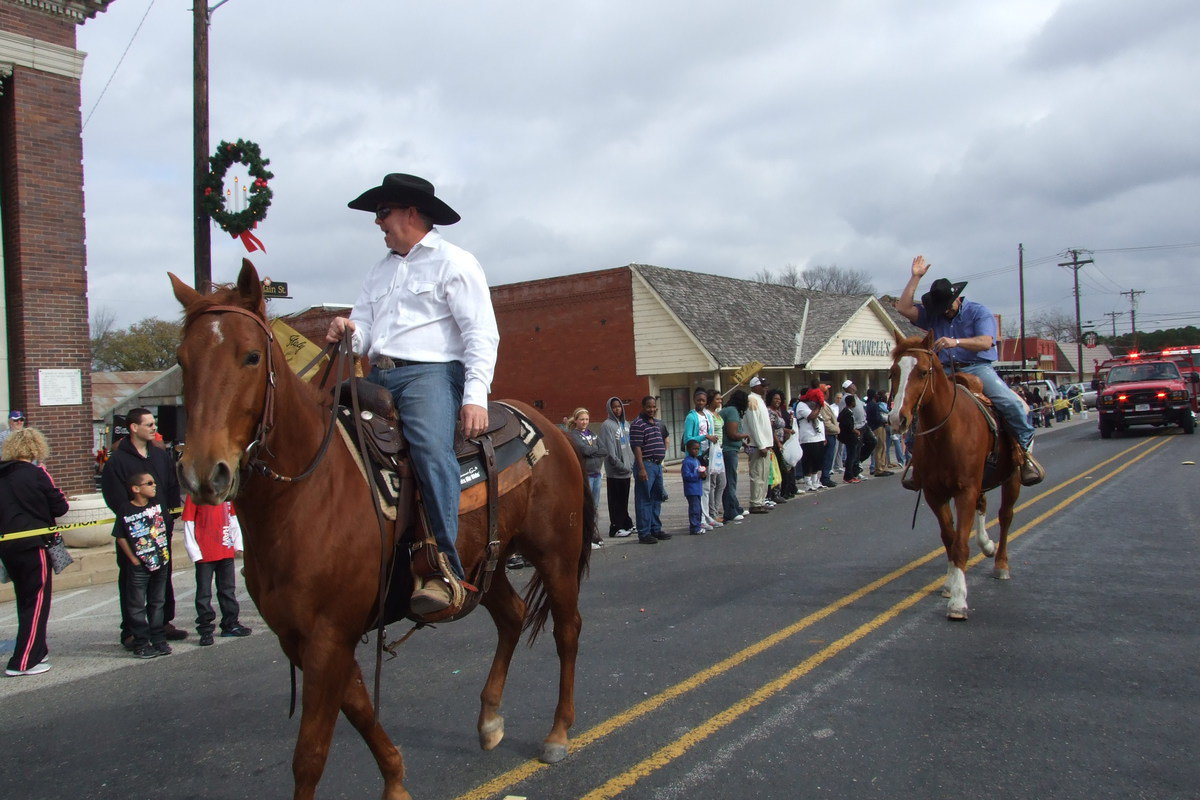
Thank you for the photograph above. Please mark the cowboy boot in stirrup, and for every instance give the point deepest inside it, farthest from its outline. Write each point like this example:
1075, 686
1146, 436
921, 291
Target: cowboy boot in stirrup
433, 596
1031, 471
909, 479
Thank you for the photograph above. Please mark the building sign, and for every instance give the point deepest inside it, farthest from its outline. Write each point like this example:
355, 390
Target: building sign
867, 347
60, 387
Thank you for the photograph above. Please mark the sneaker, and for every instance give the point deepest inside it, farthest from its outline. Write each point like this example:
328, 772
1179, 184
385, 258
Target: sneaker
759, 510
146, 650
699, 532
163, 648
623, 533
828, 484
739, 518
174, 634
766, 504
596, 545
704, 526
662, 536
127, 641
432, 597
36, 669
237, 630
854, 480
716, 524
647, 540
206, 639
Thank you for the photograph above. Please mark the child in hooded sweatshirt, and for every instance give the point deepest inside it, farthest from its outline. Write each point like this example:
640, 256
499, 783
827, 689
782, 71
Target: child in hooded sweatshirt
692, 472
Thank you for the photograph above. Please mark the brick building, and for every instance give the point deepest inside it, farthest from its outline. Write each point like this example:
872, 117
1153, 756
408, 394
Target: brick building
636, 330
47, 358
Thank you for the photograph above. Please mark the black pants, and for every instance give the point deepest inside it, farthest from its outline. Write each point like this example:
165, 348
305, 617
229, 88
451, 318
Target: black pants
31, 576
123, 568
145, 592
866, 445
223, 571
618, 504
852, 462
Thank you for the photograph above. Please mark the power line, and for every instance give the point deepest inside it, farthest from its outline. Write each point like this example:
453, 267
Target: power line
118, 66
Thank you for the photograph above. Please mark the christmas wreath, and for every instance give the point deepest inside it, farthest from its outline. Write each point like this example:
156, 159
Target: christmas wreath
240, 223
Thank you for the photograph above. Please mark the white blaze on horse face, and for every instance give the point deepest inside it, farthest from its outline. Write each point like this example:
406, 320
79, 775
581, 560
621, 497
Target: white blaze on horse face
218, 337
906, 364
956, 582
981, 537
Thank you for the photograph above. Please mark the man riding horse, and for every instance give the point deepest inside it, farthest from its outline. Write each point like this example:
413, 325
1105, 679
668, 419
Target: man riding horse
965, 341
424, 316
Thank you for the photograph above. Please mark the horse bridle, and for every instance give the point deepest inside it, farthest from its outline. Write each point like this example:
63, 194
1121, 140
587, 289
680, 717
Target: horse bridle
266, 421
925, 388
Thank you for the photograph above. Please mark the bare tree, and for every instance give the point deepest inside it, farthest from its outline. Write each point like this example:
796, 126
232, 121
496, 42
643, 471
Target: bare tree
1053, 324
102, 322
836, 280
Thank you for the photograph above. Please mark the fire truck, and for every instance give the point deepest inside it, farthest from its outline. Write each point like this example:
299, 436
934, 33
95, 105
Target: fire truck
1149, 388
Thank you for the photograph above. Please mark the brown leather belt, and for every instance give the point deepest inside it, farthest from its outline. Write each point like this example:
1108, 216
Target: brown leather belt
386, 362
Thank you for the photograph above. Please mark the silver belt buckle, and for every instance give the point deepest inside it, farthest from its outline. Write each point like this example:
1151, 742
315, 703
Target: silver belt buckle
383, 362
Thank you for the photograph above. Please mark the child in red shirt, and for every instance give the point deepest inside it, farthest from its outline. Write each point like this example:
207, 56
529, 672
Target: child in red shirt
213, 537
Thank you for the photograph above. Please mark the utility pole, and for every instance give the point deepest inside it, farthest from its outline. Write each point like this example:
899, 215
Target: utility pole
1021, 284
1112, 316
1075, 264
1133, 293
202, 231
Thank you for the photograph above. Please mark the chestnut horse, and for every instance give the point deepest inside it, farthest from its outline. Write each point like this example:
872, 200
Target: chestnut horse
951, 445
313, 546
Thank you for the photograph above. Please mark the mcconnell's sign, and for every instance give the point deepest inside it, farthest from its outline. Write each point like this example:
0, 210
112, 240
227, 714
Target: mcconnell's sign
867, 347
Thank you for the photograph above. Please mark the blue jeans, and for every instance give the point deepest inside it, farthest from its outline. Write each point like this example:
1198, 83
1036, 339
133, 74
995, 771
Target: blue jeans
428, 397
144, 595
729, 501
1005, 401
831, 448
593, 482
647, 500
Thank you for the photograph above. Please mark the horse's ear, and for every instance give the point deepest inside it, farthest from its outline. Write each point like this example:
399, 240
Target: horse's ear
899, 337
250, 288
185, 294
929, 339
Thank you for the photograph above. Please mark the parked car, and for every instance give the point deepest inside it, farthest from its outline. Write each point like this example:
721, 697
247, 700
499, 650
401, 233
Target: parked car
1085, 389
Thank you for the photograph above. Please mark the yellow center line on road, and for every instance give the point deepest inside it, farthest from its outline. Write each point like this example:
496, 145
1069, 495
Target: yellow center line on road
670, 752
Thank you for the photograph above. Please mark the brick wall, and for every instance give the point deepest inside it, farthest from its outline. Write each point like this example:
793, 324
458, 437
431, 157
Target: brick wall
45, 261
567, 342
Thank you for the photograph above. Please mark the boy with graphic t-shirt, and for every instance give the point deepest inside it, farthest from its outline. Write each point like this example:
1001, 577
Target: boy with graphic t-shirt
143, 541
213, 537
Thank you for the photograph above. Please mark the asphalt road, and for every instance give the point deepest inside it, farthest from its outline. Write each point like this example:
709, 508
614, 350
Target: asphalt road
800, 654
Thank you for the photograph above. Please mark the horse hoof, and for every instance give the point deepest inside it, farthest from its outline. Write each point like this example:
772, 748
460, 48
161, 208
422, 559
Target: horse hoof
1001, 574
553, 753
957, 616
491, 733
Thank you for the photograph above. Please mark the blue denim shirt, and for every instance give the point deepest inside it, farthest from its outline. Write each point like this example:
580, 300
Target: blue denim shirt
972, 319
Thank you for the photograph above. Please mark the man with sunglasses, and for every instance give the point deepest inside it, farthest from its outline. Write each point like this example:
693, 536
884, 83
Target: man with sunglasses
424, 317
133, 454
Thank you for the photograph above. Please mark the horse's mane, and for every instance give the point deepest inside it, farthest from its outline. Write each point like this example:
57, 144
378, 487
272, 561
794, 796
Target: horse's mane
907, 344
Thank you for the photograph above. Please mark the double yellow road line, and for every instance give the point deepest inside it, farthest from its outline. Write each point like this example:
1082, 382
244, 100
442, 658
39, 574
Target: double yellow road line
665, 755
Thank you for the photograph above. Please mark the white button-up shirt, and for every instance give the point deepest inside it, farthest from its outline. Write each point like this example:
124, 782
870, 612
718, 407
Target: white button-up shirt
430, 305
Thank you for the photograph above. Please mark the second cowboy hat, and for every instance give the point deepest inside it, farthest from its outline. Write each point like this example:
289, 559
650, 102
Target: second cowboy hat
410, 190
941, 296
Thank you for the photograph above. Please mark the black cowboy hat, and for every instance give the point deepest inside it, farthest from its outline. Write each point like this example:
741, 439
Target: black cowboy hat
941, 296
410, 190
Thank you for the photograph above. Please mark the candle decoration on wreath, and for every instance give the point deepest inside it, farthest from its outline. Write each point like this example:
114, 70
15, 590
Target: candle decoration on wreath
239, 221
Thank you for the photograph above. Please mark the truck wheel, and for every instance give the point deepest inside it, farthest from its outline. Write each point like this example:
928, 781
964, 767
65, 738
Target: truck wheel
1188, 424
1106, 430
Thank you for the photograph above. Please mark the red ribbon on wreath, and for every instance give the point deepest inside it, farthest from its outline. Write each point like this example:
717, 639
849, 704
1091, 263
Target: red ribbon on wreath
251, 241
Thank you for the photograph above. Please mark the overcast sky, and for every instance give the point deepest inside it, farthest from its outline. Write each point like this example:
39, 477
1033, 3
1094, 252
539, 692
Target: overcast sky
719, 137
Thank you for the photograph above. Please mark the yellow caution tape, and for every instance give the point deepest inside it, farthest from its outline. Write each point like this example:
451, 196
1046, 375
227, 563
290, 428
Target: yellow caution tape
70, 526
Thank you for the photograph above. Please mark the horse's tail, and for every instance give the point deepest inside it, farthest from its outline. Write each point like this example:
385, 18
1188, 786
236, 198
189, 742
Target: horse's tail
537, 602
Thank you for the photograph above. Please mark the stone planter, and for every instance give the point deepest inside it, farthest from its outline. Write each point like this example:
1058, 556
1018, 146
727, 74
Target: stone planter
84, 509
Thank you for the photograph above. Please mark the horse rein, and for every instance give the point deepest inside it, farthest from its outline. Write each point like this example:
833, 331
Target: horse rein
925, 388
266, 422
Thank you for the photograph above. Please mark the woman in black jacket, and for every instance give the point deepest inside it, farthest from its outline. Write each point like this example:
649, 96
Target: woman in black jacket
28, 500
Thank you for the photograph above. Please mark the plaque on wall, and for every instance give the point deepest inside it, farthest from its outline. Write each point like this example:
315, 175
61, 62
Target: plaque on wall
60, 387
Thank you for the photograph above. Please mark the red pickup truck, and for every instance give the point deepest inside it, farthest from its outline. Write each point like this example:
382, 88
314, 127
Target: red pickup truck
1148, 391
